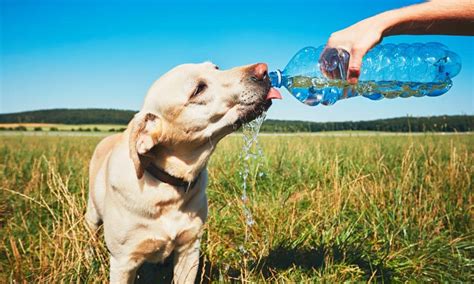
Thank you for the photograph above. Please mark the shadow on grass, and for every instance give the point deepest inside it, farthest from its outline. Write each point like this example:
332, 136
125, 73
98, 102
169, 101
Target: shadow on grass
279, 259
163, 272
155, 273
282, 258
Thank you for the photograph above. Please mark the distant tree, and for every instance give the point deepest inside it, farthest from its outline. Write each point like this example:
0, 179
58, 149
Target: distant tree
96, 129
20, 128
38, 128
53, 128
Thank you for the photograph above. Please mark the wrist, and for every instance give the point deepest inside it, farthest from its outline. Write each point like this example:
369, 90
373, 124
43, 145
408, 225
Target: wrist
389, 21
407, 20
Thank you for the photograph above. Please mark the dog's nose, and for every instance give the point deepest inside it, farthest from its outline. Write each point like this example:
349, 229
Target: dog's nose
259, 72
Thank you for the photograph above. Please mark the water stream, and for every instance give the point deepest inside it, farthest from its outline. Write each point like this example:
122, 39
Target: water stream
251, 157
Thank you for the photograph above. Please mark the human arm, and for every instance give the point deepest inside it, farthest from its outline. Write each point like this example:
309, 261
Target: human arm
433, 17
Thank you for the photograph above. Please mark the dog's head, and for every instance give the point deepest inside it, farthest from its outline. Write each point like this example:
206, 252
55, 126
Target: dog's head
194, 105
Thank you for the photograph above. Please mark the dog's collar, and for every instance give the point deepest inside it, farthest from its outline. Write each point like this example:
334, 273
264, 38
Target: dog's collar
165, 177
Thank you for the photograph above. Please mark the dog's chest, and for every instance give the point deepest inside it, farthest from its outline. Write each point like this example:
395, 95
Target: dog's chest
159, 218
162, 236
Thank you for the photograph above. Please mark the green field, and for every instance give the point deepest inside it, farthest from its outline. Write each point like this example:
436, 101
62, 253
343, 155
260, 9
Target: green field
333, 209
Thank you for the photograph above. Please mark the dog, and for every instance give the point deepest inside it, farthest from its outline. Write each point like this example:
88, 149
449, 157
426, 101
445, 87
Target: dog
147, 184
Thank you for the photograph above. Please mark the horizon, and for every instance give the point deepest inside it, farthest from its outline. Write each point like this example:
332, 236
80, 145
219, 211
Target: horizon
267, 118
117, 49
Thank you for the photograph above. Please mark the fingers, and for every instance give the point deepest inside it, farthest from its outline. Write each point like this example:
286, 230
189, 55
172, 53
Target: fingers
355, 63
357, 40
330, 62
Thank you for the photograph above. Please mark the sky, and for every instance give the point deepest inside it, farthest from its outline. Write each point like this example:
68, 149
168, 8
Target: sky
106, 54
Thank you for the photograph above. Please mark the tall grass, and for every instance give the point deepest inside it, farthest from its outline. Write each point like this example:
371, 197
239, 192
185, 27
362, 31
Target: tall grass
327, 209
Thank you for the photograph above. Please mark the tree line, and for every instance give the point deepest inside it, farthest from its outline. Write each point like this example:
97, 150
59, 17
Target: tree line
451, 123
70, 116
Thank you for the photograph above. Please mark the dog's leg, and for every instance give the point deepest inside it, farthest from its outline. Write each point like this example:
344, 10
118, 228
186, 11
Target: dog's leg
186, 262
93, 221
121, 271
92, 217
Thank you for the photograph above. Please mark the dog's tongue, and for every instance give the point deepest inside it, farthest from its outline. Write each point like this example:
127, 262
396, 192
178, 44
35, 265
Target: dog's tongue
273, 94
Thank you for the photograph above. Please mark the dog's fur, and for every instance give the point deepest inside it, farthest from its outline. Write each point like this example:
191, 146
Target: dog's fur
185, 113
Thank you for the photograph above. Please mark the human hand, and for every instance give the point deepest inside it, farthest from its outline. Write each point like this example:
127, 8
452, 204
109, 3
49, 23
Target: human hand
357, 40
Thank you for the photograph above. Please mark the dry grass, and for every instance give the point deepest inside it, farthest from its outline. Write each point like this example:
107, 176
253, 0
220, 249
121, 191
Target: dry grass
328, 209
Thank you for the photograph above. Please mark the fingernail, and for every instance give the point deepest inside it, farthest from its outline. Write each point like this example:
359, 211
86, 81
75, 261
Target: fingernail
353, 75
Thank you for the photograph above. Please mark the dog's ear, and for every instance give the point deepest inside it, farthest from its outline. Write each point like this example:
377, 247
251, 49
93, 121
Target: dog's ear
144, 135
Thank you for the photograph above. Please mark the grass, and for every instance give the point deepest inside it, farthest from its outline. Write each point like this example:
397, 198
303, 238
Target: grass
328, 209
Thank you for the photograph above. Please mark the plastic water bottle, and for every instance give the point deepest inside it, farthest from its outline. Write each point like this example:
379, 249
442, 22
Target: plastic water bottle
388, 71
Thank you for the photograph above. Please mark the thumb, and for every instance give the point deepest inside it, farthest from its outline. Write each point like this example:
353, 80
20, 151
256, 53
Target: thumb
355, 63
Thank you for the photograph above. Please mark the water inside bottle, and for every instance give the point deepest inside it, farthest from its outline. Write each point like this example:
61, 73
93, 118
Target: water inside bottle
314, 91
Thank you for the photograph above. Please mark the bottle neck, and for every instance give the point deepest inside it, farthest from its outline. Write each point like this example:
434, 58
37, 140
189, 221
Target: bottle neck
275, 78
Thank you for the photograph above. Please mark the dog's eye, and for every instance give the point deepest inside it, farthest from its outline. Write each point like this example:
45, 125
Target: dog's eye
216, 67
201, 87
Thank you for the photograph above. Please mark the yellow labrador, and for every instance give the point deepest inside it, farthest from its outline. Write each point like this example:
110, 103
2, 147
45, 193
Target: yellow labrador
147, 185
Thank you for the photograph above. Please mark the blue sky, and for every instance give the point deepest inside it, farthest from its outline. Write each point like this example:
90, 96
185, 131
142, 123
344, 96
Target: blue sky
106, 54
